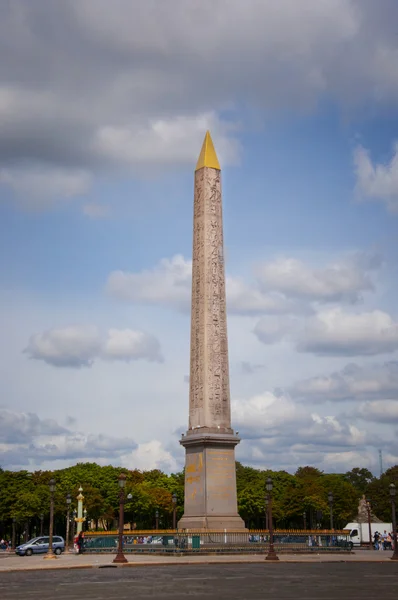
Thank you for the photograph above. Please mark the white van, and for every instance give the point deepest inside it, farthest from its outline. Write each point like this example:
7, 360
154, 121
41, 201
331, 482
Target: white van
359, 532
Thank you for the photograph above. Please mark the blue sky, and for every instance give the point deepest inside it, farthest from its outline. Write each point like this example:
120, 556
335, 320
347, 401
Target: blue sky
102, 114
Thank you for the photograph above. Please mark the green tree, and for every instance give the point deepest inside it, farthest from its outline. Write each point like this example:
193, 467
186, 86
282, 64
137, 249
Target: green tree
360, 478
378, 493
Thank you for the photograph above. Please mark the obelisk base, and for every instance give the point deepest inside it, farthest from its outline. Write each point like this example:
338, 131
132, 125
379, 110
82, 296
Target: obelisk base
210, 482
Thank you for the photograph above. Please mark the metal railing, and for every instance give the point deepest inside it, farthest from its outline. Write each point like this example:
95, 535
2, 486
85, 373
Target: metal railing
253, 541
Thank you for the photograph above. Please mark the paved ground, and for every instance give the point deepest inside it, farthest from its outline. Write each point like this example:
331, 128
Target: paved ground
282, 581
73, 561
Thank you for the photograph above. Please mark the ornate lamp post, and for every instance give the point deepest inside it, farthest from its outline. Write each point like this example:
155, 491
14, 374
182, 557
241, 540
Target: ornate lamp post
129, 499
80, 518
156, 520
13, 533
174, 500
68, 502
330, 500
393, 493
271, 552
50, 553
41, 523
74, 514
120, 558
266, 500
368, 508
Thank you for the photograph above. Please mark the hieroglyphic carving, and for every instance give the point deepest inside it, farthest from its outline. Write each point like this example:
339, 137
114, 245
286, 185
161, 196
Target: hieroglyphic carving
209, 376
197, 349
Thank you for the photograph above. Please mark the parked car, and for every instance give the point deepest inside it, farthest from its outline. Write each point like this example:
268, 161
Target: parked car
39, 545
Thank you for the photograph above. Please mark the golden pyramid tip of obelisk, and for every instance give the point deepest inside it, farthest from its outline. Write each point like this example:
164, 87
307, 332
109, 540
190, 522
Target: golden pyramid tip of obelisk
208, 156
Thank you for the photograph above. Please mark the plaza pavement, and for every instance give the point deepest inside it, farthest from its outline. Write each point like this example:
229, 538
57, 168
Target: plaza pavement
245, 581
11, 562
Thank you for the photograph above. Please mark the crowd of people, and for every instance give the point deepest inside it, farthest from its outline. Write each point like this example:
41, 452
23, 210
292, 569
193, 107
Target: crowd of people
383, 541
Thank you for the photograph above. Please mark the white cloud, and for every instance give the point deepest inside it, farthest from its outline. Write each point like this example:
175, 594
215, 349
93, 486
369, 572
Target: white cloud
107, 86
151, 455
279, 433
78, 346
345, 461
379, 411
28, 441
249, 299
73, 346
264, 413
335, 332
309, 50
169, 284
127, 344
354, 382
284, 286
341, 281
165, 141
279, 418
36, 187
271, 330
377, 181
22, 427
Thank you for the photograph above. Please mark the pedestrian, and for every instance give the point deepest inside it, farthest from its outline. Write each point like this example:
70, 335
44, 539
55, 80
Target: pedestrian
384, 540
80, 542
389, 542
376, 538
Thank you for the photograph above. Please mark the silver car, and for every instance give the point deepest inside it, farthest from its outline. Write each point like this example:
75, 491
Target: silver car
39, 545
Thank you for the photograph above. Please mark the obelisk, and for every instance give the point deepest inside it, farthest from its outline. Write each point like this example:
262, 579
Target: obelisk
210, 478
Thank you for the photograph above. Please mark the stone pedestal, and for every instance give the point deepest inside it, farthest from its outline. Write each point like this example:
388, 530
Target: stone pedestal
210, 482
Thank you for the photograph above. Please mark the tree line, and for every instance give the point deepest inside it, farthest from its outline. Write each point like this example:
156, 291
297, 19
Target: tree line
299, 500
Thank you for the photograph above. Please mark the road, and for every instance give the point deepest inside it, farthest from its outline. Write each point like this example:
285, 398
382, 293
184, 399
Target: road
282, 581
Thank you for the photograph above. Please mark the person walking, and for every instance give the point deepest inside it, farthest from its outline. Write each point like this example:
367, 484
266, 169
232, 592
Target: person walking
384, 540
389, 542
79, 543
376, 538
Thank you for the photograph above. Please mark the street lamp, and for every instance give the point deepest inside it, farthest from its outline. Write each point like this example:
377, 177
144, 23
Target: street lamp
120, 558
129, 498
266, 500
68, 502
156, 519
50, 553
174, 500
271, 552
368, 508
393, 493
330, 500
41, 523
74, 514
